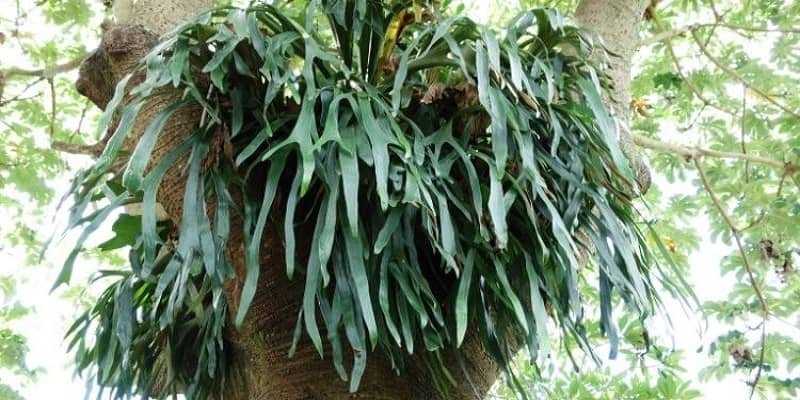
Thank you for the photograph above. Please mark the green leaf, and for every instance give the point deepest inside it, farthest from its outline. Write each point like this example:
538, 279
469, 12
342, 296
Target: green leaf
126, 231
462, 299
252, 254
388, 229
96, 219
326, 239
133, 176
497, 210
348, 163
385, 302
358, 274
123, 316
379, 140
302, 135
288, 226
312, 285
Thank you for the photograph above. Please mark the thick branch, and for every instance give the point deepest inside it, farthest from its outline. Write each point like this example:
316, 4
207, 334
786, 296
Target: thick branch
78, 148
47, 72
693, 153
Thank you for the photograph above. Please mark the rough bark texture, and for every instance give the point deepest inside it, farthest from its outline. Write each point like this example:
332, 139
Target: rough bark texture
617, 23
259, 349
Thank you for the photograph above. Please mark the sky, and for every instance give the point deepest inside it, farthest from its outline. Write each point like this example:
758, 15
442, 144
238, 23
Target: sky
53, 314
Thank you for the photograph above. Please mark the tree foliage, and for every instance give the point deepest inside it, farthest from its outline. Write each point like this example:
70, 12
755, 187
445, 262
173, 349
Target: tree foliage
712, 92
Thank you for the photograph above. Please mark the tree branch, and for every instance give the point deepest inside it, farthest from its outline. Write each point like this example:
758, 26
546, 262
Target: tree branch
748, 267
679, 31
78, 148
47, 72
714, 10
685, 78
693, 153
52, 107
665, 35
19, 95
735, 27
743, 133
730, 71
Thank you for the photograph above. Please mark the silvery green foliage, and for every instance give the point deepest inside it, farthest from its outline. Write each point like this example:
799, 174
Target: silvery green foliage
428, 219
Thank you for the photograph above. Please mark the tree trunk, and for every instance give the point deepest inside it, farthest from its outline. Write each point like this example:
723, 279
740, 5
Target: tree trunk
259, 350
617, 24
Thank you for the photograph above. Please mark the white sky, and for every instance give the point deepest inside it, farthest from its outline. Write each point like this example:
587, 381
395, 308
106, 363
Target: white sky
52, 315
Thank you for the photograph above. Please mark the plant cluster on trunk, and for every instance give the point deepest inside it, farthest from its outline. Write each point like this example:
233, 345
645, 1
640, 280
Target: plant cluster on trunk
404, 195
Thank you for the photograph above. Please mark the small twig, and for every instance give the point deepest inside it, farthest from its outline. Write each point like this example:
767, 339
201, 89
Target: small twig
730, 71
17, 98
19, 95
710, 34
696, 118
52, 108
7, 125
666, 35
714, 10
796, 181
755, 221
780, 186
684, 77
743, 132
785, 322
691, 153
680, 31
748, 267
83, 115
735, 27
18, 16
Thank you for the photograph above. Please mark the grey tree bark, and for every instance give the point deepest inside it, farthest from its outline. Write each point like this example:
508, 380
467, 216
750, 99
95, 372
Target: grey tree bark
262, 369
617, 23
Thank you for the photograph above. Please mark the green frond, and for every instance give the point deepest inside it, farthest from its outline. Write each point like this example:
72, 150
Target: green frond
453, 181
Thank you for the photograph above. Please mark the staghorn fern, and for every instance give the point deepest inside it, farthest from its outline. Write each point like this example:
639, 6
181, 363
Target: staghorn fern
454, 178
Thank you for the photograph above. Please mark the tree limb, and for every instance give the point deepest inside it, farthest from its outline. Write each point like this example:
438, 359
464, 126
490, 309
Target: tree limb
47, 72
685, 78
743, 133
693, 153
748, 267
714, 10
668, 34
18, 97
730, 71
52, 107
78, 148
665, 35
